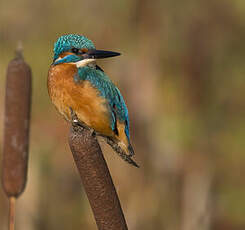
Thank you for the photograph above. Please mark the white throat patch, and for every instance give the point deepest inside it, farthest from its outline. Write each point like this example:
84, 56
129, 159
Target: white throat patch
84, 62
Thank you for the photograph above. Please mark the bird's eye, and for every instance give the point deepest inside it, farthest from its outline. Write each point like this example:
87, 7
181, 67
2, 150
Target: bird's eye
75, 50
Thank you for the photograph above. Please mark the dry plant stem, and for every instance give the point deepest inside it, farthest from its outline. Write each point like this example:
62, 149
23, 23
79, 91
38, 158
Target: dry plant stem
96, 180
11, 212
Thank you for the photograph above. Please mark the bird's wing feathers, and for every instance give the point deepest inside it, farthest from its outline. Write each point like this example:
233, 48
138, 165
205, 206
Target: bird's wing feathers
117, 106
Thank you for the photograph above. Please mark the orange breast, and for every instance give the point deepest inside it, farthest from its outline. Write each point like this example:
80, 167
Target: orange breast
83, 98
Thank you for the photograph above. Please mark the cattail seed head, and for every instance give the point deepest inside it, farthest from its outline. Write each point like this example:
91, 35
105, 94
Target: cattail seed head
16, 127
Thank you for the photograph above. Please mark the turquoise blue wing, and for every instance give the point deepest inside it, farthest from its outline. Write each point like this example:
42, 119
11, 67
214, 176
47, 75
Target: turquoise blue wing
117, 106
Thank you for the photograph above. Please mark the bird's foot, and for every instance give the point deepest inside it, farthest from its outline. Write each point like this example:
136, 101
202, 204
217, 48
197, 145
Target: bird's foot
74, 118
76, 122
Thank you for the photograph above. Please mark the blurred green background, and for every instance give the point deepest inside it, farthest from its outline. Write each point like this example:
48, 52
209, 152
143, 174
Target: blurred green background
182, 75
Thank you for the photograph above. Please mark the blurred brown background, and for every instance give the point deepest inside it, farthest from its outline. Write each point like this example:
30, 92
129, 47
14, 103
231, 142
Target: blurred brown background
182, 75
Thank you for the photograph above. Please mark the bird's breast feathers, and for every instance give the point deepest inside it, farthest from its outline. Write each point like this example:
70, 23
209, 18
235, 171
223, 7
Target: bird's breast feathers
85, 100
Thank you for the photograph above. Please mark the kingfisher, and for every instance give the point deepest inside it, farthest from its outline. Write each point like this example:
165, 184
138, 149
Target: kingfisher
84, 95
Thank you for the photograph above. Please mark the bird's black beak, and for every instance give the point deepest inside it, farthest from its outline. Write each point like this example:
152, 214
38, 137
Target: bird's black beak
99, 54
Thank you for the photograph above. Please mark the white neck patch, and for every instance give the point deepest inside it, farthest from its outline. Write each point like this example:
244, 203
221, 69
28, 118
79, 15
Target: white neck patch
84, 62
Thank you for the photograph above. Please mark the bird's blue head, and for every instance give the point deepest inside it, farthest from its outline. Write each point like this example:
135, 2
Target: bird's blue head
77, 49
68, 42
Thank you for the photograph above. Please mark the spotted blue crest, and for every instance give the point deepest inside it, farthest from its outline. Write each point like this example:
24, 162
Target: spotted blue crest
67, 42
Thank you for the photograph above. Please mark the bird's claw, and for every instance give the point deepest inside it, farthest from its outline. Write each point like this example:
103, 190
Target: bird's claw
74, 118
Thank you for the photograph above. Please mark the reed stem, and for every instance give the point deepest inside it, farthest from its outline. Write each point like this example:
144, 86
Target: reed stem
12, 200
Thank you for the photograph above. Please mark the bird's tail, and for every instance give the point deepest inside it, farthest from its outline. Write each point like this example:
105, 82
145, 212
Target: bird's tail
119, 147
130, 150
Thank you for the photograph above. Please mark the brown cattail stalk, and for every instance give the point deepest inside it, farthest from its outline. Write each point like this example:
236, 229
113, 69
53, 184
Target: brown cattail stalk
12, 200
96, 180
16, 131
